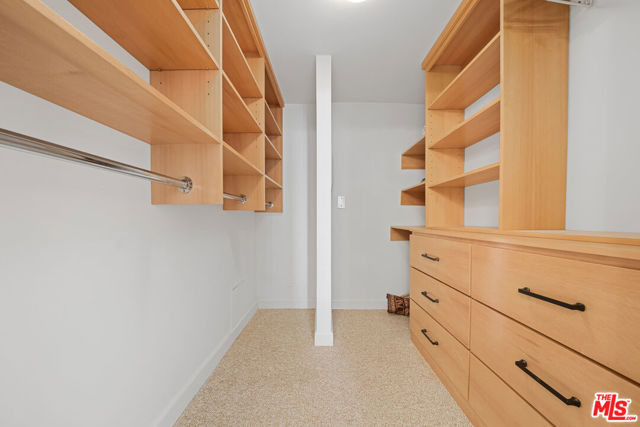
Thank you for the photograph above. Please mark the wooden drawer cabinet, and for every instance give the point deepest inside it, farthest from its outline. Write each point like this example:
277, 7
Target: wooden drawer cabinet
446, 305
496, 403
512, 350
446, 260
441, 347
607, 330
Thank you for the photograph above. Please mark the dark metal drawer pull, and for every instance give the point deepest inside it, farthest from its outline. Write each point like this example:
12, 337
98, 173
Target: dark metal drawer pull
424, 294
432, 258
577, 306
572, 401
424, 332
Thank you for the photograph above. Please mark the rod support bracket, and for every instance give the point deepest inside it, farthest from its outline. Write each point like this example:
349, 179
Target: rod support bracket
188, 185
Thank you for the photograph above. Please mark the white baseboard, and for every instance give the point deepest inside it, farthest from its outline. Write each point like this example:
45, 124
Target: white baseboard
182, 399
365, 304
324, 340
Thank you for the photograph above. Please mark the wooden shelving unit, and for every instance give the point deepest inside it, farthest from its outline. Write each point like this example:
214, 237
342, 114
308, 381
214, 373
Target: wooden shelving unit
413, 158
413, 196
486, 43
203, 110
271, 125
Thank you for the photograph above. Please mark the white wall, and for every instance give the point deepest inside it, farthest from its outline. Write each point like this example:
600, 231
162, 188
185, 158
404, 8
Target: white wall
604, 146
112, 311
368, 140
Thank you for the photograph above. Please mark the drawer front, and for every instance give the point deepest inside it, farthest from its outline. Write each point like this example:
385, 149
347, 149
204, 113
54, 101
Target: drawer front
450, 356
446, 260
449, 307
500, 342
605, 331
495, 403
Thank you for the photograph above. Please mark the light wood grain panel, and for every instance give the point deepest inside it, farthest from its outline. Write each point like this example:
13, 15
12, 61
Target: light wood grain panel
257, 65
452, 264
533, 139
445, 205
200, 162
273, 168
413, 196
484, 123
237, 118
134, 25
474, 177
451, 356
198, 4
469, 30
271, 124
496, 403
611, 296
499, 342
44, 55
276, 197
414, 157
250, 145
240, 18
271, 150
476, 79
235, 164
250, 186
235, 65
451, 308
208, 25
198, 92
271, 183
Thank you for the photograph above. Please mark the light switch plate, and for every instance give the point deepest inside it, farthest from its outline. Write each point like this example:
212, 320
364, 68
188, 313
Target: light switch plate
341, 202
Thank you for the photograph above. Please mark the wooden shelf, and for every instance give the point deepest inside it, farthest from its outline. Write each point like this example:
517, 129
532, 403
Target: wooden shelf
271, 183
236, 66
468, 31
476, 79
44, 55
474, 177
234, 163
271, 125
413, 196
135, 25
199, 4
239, 15
271, 152
484, 123
413, 158
236, 116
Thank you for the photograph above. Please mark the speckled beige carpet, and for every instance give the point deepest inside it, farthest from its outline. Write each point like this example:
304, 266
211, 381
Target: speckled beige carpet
373, 376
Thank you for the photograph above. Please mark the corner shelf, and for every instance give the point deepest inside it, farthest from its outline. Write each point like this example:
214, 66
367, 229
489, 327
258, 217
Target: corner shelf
235, 114
413, 196
414, 157
474, 177
53, 60
236, 66
476, 79
271, 152
271, 125
174, 45
481, 125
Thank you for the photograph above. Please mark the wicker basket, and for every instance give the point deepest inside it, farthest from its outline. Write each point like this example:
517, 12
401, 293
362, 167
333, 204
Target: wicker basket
398, 304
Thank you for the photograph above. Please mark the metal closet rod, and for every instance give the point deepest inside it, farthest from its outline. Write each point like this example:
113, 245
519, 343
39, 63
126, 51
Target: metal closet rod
48, 149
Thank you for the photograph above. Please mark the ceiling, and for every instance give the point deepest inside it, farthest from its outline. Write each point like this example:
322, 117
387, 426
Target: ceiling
377, 46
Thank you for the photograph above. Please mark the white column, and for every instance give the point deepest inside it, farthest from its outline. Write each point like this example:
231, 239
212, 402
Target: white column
324, 324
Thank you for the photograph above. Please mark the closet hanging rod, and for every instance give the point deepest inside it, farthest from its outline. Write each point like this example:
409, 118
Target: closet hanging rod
237, 197
48, 149
268, 205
